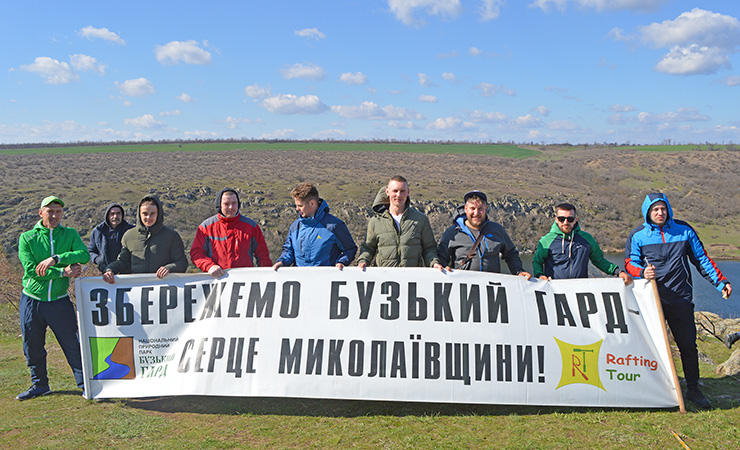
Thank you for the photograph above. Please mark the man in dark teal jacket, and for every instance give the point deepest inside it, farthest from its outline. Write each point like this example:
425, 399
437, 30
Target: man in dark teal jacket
51, 254
565, 251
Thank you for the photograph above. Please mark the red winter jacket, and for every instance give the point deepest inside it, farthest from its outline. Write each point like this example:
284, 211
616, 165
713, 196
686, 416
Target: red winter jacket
229, 242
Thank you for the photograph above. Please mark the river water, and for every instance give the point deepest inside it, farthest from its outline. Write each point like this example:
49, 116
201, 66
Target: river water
706, 297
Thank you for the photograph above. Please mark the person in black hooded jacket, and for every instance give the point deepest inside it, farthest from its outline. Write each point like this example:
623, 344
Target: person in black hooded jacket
150, 247
105, 239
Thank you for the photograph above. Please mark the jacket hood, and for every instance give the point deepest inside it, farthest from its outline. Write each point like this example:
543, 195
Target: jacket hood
160, 215
652, 199
322, 210
459, 219
382, 202
123, 215
556, 229
221, 194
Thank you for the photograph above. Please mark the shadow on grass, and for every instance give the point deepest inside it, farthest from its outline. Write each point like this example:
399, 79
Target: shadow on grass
724, 393
340, 408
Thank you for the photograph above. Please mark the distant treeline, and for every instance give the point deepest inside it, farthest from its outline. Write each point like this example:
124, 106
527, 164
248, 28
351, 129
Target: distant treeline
666, 143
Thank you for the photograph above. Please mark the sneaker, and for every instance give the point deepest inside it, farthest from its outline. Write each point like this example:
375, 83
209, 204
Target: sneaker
33, 392
731, 339
697, 398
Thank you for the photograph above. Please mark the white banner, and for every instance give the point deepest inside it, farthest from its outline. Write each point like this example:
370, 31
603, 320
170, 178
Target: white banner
382, 334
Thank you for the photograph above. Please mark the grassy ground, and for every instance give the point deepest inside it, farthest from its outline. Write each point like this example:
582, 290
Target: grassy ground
66, 420
502, 150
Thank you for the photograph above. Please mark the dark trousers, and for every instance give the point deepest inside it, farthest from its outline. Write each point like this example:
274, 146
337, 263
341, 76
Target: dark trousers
680, 318
58, 315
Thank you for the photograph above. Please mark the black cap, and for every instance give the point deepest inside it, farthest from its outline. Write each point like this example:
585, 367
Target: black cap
475, 194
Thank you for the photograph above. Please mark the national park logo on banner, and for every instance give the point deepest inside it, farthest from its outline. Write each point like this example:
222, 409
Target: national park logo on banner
580, 364
112, 358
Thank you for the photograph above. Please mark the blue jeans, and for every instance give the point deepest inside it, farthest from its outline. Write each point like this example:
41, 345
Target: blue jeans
59, 315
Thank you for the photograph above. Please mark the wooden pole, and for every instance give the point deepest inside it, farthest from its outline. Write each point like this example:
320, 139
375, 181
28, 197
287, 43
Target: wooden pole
681, 404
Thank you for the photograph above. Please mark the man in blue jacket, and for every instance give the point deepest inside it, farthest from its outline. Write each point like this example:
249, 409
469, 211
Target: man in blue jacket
660, 250
105, 239
316, 238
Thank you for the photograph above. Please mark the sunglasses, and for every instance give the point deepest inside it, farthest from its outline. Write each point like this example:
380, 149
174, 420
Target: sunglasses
562, 219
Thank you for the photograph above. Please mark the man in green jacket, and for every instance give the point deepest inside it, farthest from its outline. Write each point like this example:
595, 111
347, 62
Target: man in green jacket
399, 236
565, 251
50, 254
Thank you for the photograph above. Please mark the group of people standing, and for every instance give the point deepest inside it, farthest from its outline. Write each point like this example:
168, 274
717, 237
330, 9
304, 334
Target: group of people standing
397, 236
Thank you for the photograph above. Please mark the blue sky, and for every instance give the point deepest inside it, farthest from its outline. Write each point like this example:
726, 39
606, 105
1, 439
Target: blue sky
543, 71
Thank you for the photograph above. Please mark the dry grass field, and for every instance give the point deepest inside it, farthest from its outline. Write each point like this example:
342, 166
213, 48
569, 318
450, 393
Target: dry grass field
606, 184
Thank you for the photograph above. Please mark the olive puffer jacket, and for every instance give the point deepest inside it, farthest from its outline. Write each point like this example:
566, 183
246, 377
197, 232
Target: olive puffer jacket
387, 246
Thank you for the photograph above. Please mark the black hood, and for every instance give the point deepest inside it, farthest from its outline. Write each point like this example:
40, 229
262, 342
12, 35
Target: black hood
221, 194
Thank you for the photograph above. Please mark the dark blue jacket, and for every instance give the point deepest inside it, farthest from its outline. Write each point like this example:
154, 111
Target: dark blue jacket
669, 248
321, 240
105, 241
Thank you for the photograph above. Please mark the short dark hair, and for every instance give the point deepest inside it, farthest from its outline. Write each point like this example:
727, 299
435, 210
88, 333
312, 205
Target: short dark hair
305, 191
399, 178
565, 207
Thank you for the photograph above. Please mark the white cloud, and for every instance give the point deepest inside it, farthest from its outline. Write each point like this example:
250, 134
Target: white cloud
448, 76
145, 121
285, 133
185, 98
491, 117
528, 121
621, 108
600, 5
450, 124
330, 134
291, 104
304, 71
51, 70
731, 80
139, 87
174, 112
83, 62
542, 110
370, 110
404, 9
257, 91
201, 134
693, 60
697, 26
311, 33
189, 52
235, 121
475, 51
490, 9
427, 98
424, 80
670, 117
488, 90
91, 32
409, 125
565, 125
353, 79
700, 42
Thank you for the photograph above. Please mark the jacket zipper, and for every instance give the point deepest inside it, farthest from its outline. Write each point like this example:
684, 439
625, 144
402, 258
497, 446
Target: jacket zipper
51, 241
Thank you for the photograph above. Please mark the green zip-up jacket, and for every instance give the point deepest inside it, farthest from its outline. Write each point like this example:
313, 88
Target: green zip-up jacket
411, 246
39, 243
561, 255
146, 249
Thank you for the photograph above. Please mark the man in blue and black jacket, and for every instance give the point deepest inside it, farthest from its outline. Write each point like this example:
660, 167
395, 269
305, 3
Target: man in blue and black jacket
660, 250
316, 238
565, 251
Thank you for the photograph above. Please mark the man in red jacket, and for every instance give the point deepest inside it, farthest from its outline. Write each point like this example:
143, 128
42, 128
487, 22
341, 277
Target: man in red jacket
228, 239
